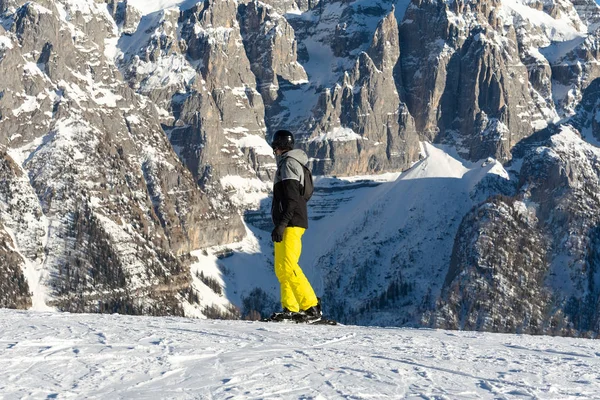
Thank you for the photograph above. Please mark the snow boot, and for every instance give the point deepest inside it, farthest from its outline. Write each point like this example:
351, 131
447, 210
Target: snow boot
285, 315
310, 315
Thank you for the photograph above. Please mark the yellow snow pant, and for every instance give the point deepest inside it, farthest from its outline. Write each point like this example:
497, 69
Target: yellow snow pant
296, 292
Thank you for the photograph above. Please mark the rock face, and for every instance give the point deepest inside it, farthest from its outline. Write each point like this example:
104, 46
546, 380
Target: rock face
360, 84
194, 67
496, 276
92, 188
13, 286
126, 17
467, 85
562, 178
271, 47
532, 268
587, 11
350, 114
371, 129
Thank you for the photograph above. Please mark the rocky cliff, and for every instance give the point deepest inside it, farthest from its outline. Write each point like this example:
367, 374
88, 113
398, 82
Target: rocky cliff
529, 262
93, 192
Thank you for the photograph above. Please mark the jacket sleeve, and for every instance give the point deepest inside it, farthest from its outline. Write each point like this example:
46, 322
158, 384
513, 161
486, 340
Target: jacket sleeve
291, 193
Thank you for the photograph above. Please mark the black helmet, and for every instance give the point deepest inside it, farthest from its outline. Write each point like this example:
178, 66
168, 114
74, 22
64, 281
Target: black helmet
283, 140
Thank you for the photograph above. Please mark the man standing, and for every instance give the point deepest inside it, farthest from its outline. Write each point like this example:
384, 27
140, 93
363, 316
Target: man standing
290, 216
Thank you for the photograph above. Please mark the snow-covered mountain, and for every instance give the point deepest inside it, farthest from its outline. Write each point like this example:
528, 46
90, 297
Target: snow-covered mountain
135, 169
95, 202
46, 355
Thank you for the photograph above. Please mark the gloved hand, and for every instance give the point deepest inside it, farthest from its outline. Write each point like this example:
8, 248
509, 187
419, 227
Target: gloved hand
277, 234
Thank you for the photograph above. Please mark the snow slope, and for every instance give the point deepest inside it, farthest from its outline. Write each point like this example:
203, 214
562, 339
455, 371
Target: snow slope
57, 355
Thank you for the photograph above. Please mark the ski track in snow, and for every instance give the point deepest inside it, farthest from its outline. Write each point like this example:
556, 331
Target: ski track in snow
59, 355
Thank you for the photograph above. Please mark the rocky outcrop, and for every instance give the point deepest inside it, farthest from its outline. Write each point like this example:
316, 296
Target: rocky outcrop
126, 16
474, 75
20, 210
271, 47
13, 286
587, 11
496, 278
586, 119
530, 263
194, 67
362, 126
294, 6
562, 177
466, 87
576, 70
422, 67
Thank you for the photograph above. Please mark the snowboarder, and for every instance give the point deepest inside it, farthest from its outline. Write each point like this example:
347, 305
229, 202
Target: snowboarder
290, 216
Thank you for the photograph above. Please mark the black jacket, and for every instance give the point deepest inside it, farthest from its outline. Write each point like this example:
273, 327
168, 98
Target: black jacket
289, 207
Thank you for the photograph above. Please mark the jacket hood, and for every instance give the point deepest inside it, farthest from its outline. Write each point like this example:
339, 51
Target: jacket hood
298, 155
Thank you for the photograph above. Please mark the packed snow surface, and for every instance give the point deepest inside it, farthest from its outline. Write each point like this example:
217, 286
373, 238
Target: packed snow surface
54, 355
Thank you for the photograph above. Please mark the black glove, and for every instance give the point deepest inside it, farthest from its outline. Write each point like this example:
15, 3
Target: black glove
277, 234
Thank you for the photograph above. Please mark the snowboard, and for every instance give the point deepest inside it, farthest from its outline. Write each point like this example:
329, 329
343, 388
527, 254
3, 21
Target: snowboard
322, 321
